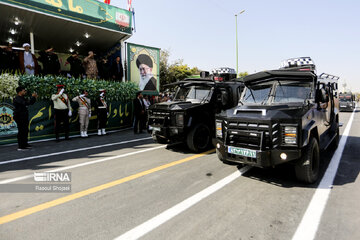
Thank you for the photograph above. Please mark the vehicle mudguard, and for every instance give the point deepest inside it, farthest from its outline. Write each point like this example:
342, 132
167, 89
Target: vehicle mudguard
306, 133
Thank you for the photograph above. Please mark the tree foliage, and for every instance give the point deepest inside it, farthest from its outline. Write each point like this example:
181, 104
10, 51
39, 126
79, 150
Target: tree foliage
243, 74
176, 71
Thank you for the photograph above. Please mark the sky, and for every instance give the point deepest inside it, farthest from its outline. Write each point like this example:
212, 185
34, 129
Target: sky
203, 33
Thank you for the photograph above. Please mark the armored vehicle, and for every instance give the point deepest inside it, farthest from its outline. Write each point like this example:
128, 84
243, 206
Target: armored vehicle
347, 101
285, 115
190, 117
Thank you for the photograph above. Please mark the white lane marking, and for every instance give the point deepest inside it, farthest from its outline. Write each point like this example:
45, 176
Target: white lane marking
81, 164
310, 222
74, 150
73, 136
156, 221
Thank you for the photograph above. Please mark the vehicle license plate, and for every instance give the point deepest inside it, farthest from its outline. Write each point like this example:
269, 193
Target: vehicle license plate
242, 152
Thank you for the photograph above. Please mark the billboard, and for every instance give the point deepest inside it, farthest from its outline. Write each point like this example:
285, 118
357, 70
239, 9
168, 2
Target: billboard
143, 67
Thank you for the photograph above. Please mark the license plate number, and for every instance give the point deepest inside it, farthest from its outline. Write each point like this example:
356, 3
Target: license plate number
242, 152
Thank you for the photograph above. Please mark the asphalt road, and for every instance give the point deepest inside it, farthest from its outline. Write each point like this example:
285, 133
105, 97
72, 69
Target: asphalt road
124, 185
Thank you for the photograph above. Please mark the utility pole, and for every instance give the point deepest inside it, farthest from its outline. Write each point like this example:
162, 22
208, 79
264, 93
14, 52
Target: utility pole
237, 51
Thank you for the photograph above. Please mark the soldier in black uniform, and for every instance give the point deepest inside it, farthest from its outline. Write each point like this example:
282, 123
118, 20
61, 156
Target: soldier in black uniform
76, 67
50, 61
104, 69
9, 61
139, 113
21, 117
102, 112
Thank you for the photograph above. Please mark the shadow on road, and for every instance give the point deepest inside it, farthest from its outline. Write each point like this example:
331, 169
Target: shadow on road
43, 148
284, 175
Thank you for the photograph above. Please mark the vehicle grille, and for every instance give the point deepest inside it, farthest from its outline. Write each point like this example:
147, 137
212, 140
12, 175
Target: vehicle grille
257, 136
159, 118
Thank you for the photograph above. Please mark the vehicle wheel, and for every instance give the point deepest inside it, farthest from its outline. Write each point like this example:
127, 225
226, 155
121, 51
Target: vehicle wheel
307, 168
198, 138
159, 139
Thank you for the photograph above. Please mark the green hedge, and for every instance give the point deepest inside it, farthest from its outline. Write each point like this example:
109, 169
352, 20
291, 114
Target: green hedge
45, 86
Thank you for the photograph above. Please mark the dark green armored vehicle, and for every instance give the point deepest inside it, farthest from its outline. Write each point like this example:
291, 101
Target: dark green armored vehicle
190, 117
347, 102
285, 115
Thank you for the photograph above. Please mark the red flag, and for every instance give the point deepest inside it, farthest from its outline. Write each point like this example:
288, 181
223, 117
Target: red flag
107, 1
129, 5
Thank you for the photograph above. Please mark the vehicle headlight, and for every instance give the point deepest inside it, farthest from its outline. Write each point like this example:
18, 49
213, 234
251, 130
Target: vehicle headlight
290, 135
219, 132
180, 119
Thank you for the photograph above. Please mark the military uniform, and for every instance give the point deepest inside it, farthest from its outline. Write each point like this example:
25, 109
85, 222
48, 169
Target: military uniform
102, 112
62, 111
21, 117
50, 61
9, 61
84, 113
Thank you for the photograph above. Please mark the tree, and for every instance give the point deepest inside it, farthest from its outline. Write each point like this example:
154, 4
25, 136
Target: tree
177, 71
164, 67
243, 74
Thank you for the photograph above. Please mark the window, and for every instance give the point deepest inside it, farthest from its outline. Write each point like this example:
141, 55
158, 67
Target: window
257, 93
293, 92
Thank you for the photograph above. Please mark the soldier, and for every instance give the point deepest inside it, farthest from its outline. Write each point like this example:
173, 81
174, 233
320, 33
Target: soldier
84, 112
62, 111
9, 61
21, 117
91, 69
50, 61
139, 113
102, 112
76, 67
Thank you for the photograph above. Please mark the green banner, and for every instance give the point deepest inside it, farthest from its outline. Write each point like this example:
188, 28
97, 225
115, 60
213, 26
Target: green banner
41, 119
86, 11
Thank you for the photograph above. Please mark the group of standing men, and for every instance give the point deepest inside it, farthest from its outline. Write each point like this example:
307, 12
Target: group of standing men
27, 63
63, 112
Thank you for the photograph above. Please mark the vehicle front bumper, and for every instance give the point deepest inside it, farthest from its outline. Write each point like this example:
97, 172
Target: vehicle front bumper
264, 158
172, 134
346, 108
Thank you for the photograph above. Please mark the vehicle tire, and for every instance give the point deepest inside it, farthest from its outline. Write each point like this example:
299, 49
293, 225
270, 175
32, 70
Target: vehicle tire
219, 155
307, 168
198, 138
159, 139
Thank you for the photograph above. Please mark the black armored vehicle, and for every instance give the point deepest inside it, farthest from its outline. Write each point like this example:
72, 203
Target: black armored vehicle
285, 115
190, 117
347, 102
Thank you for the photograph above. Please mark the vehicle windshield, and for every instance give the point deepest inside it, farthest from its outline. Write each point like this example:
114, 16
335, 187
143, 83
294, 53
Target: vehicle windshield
257, 94
345, 99
292, 92
195, 94
277, 92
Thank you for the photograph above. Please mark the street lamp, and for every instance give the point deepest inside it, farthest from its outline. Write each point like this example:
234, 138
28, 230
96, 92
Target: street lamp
237, 59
